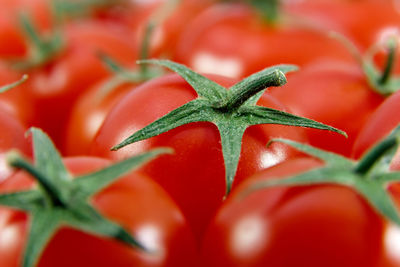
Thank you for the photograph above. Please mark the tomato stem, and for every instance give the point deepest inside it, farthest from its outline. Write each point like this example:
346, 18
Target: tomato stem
254, 86
7, 87
15, 160
367, 162
390, 60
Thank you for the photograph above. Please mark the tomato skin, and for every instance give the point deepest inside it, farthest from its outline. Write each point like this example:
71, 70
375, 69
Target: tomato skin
384, 119
194, 174
88, 114
334, 93
16, 101
232, 40
12, 136
364, 22
135, 201
302, 226
13, 43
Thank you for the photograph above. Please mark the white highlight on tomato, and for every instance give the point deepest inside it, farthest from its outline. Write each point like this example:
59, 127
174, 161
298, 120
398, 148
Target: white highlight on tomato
392, 242
9, 237
150, 237
249, 236
271, 158
208, 63
95, 121
5, 170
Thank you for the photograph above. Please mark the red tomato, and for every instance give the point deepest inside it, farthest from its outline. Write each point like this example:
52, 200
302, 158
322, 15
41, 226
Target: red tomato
57, 85
194, 175
12, 38
364, 22
88, 114
16, 101
11, 137
136, 202
385, 118
334, 93
326, 226
232, 40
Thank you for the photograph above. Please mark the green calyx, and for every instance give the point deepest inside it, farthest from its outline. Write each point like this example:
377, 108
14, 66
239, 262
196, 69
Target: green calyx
370, 176
381, 81
68, 8
42, 49
60, 200
7, 87
269, 10
232, 111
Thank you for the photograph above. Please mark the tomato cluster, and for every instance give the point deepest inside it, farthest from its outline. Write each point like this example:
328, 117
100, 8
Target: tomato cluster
200, 133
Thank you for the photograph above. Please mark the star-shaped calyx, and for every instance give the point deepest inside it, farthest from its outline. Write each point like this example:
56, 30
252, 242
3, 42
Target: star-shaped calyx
60, 200
370, 176
232, 111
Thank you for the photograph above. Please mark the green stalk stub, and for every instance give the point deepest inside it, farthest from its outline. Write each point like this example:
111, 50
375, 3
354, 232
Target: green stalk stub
232, 111
7, 87
61, 200
370, 176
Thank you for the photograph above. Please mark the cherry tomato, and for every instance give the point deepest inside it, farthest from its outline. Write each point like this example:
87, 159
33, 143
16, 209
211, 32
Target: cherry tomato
12, 38
232, 40
135, 201
364, 22
56, 86
334, 93
194, 175
11, 137
300, 226
88, 114
385, 118
16, 101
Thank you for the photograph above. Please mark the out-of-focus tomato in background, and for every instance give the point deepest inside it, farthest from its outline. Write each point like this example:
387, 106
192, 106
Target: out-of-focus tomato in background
87, 92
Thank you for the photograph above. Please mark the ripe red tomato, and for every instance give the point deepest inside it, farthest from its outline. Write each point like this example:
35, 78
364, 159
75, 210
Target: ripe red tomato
88, 114
232, 40
301, 226
194, 174
135, 201
334, 93
364, 22
385, 118
56, 86
15, 101
11, 137
12, 39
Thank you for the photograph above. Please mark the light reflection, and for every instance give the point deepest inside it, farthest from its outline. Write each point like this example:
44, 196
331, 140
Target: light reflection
95, 120
151, 238
392, 242
271, 158
207, 63
249, 236
9, 236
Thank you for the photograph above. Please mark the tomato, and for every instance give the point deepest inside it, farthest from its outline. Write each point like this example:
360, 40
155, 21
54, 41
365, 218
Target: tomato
16, 101
301, 226
57, 85
135, 201
332, 92
88, 114
385, 118
232, 40
12, 41
194, 175
364, 22
11, 137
